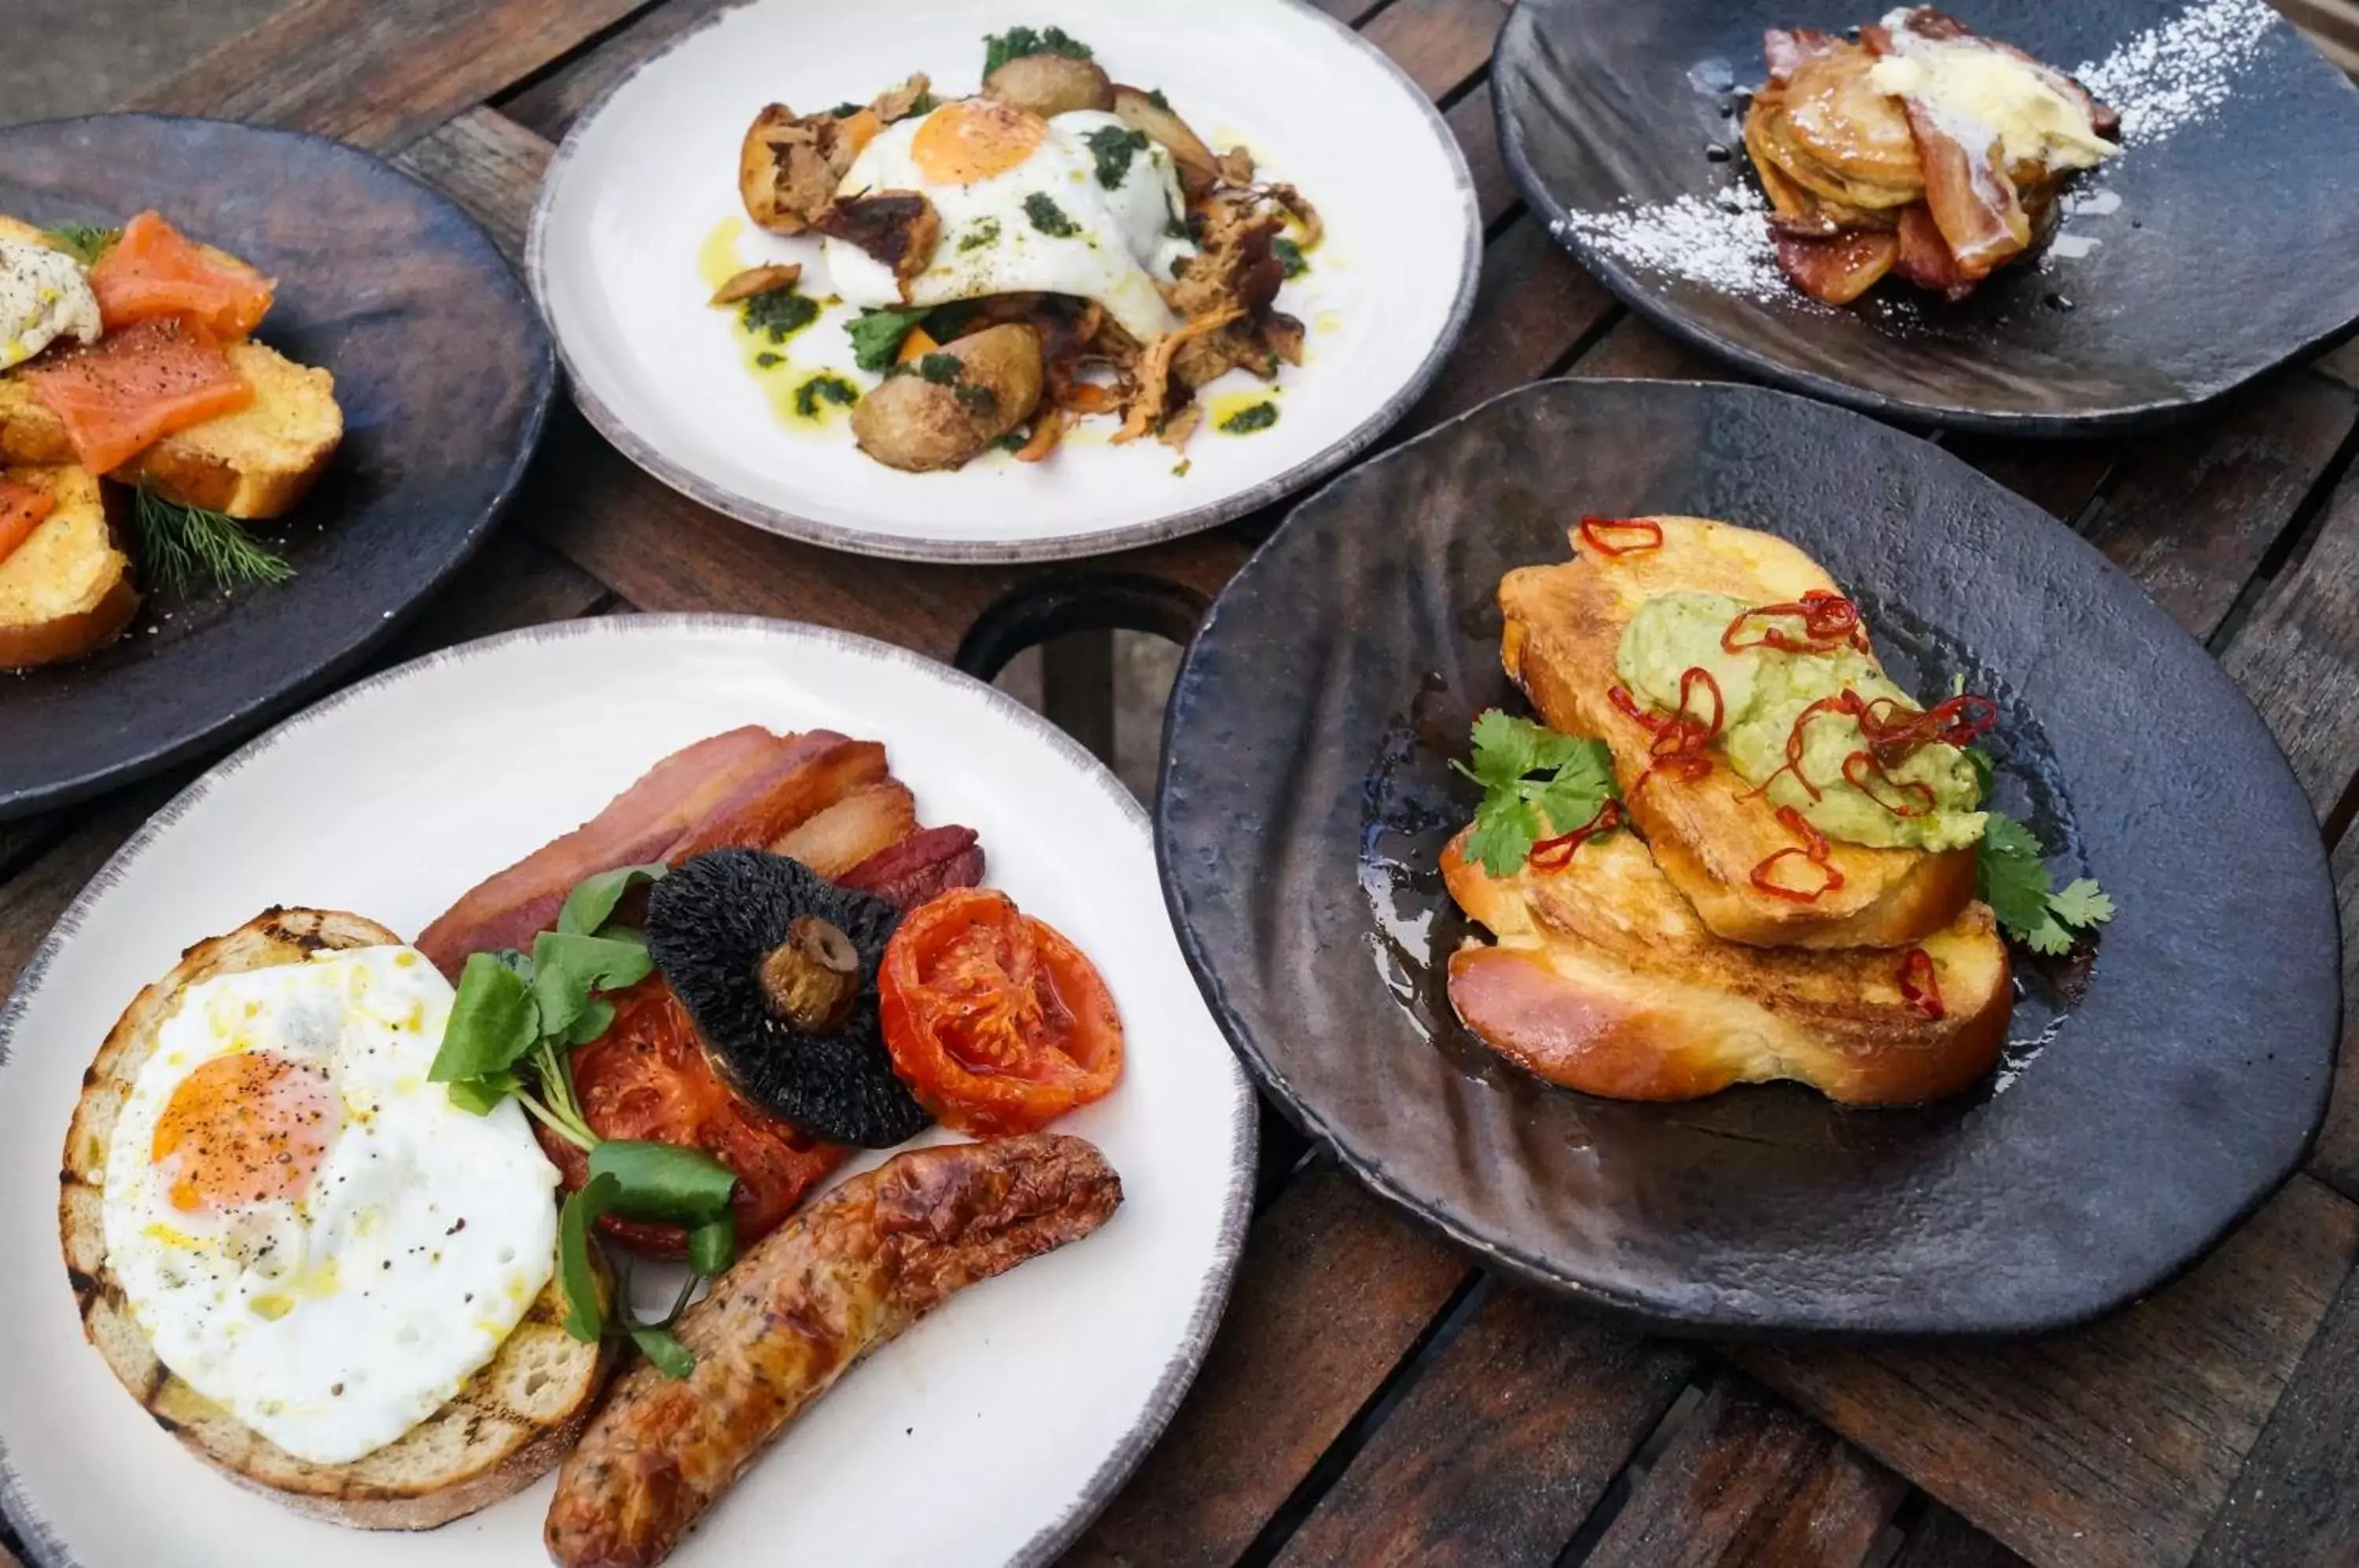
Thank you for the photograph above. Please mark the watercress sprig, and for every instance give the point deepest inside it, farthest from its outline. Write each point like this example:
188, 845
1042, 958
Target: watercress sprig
513, 1024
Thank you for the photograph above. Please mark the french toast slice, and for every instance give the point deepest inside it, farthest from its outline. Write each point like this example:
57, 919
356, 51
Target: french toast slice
1564, 625
255, 462
1605, 980
67, 590
510, 1424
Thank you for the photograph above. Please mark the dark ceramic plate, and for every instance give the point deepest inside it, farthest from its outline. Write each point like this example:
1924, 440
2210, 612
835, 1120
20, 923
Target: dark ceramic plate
2223, 246
444, 374
2147, 1103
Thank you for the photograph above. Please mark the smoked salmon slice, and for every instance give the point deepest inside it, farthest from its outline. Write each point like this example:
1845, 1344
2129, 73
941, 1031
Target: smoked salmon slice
22, 507
135, 387
154, 270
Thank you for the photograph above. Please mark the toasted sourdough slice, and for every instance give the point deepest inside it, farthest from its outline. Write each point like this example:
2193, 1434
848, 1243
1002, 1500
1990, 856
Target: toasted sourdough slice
511, 1423
255, 462
1564, 626
1603, 980
67, 590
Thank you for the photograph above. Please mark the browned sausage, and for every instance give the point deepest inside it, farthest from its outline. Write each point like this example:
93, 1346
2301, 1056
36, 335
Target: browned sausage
797, 1312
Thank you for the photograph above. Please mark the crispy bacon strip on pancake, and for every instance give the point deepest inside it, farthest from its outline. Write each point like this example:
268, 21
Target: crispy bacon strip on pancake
1788, 49
1838, 267
1973, 203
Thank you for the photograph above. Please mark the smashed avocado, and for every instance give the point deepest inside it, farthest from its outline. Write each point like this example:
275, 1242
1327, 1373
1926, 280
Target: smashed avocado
1764, 689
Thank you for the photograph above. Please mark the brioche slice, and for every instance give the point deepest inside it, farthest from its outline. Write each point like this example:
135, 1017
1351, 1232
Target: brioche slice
1605, 981
506, 1428
1564, 626
67, 590
255, 462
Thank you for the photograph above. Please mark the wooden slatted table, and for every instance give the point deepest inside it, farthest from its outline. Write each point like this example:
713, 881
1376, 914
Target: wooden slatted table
1372, 1398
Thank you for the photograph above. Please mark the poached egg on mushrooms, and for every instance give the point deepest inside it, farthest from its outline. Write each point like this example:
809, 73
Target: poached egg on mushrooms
1075, 205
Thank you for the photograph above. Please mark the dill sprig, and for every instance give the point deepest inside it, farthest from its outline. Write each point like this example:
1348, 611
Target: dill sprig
181, 546
85, 242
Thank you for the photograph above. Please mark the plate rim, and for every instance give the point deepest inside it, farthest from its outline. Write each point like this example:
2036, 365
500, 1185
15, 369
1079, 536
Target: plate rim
791, 525
376, 633
1629, 1310
1625, 285
1187, 1359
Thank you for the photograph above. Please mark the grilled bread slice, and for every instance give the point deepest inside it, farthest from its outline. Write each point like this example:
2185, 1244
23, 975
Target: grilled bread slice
511, 1423
1605, 980
1564, 625
255, 462
67, 590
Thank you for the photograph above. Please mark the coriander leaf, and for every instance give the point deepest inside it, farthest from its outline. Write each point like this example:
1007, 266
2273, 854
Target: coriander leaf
567, 968
2047, 935
493, 1022
1504, 829
592, 902
2004, 836
1583, 784
1505, 748
482, 1095
667, 1355
577, 1275
2080, 902
712, 1244
877, 336
662, 1181
1985, 770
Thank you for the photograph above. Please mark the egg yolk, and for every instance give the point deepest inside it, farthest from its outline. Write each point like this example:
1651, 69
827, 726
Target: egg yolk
244, 1129
974, 139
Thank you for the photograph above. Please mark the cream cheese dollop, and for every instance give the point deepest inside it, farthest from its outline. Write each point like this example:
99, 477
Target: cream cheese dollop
44, 296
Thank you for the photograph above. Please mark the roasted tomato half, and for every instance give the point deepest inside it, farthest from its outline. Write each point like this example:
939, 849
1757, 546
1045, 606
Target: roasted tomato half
996, 1022
646, 1078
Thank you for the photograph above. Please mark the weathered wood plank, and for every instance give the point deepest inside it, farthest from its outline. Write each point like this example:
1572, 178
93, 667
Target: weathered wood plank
31, 901
2192, 513
380, 73
1442, 44
1501, 1446
2297, 657
2335, 1159
1533, 307
1472, 122
1748, 1483
1939, 1539
2298, 1500
2115, 1445
1333, 1291
1637, 349
489, 165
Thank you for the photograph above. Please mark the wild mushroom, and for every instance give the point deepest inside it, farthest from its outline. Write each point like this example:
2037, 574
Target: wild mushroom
777, 966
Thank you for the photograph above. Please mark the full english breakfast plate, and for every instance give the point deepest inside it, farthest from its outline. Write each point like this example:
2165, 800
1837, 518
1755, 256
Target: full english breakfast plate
977, 282
458, 1091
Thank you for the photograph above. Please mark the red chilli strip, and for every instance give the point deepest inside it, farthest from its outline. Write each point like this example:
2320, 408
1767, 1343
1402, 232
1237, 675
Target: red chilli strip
1919, 985
1894, 731
1613, 536
1556, 854
1813, 849
1845, 702
1628, 706
1829, 622
1864, 773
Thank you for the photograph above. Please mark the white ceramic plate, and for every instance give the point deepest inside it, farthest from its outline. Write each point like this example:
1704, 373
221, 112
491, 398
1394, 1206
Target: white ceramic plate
991, 1432
642, 185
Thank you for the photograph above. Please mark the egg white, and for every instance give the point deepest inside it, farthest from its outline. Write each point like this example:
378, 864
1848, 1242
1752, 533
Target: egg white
44, 295
989, 244
334, 1322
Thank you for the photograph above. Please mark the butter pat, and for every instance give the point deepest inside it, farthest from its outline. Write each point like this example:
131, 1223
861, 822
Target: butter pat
1981, 95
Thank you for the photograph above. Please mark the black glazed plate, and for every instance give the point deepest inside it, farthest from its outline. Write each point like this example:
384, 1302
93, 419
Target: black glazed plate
2155, 1099
2234, 247
444, 374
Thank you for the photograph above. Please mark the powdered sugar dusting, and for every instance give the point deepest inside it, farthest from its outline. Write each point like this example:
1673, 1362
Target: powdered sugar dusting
2176, 74
1718, 242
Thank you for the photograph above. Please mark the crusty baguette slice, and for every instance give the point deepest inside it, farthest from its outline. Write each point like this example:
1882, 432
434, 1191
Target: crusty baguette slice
1564, 624
255, 462
1603, 980
67, 590
510, 1425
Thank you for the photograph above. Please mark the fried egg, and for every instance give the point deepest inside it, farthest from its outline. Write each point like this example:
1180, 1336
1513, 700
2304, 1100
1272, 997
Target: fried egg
44, 296
1075, 205
308, 1231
